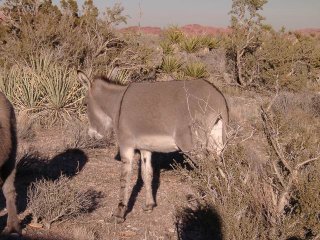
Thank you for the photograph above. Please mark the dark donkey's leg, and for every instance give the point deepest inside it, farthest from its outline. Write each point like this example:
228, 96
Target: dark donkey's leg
147, 175
9, 192
127, 155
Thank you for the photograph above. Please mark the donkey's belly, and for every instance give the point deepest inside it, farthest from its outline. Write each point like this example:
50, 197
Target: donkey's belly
156, 143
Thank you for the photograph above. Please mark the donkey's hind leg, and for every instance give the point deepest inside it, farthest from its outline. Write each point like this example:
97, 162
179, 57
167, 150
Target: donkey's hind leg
127, 155
147, 175
9, 193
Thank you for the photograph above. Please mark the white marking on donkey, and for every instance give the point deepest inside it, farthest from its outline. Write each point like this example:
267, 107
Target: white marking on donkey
8, 148
154, 117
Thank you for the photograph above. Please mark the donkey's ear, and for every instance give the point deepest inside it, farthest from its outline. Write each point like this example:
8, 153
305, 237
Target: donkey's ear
83, 79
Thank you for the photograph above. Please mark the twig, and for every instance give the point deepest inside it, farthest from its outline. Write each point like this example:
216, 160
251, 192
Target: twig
307, 162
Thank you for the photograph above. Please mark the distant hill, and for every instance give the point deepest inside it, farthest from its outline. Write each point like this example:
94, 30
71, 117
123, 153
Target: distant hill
196, 29
309, 31
191, 29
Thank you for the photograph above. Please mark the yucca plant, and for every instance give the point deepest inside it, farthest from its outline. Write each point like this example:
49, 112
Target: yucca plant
62, 94
195, 70
171, 64
174, 34
209, 42
190, 44
21, 87
167, 47
27, 92
7, 83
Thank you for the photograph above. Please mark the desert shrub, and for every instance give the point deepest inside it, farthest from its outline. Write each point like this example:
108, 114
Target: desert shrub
42, 46
191, 44
174, 35
253, 52
296, 68
170, 64
78, 40
51, 201
261, 65
273, 199
195, 70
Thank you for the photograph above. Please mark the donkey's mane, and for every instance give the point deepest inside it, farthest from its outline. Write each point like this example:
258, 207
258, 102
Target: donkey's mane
107, 79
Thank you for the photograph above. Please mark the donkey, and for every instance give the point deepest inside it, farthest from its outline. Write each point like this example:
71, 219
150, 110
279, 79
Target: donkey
153, 117
8, 148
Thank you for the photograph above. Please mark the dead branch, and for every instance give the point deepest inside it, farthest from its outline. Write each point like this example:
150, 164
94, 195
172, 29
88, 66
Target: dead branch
267, 124
307, 162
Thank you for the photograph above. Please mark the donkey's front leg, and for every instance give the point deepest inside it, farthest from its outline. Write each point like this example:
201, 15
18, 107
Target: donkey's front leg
127, 155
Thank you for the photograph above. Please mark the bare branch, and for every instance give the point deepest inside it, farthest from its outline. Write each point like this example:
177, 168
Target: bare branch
307, 162
272, 140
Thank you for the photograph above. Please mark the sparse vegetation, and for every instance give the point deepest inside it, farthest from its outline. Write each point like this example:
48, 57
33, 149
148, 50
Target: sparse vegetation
51, 201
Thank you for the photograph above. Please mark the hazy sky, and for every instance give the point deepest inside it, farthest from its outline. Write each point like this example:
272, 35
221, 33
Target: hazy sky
292, 14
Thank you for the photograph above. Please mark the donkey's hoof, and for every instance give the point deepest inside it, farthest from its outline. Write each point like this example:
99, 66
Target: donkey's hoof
148, 207
115, 219
13, 231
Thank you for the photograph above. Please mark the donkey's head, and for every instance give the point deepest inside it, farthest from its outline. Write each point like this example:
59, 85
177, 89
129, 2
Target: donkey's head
99, 121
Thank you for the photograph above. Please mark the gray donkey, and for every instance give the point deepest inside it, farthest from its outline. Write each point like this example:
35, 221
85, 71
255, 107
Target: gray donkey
8, 148
154, 117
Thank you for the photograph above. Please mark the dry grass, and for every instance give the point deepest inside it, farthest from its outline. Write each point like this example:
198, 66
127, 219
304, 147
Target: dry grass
83, 233
77, 137
25, 126
52, 201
